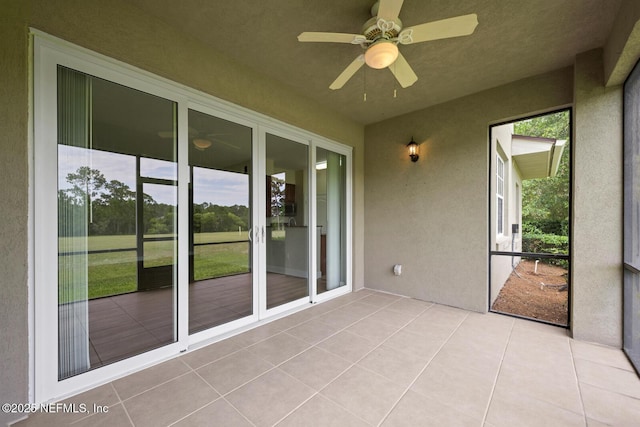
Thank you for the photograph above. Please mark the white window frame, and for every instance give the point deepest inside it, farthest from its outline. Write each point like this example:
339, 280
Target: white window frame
500, 186
48, 53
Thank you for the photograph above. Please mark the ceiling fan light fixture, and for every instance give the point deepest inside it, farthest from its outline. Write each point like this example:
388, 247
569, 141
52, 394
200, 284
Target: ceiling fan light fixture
201, 144
381, 54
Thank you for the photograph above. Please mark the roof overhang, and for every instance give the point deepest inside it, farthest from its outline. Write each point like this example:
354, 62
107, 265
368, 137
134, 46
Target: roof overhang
536, 157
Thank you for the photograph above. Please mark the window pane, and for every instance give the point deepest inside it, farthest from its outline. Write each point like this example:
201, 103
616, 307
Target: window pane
105, 133
532, 216
287, 219
631, 313
221, 281
530, 287
331, 172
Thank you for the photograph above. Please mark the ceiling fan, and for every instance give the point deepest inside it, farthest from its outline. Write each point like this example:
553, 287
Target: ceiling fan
380, 38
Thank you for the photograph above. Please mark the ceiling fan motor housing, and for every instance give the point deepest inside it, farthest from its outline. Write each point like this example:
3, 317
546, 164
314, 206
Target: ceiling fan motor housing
372, 31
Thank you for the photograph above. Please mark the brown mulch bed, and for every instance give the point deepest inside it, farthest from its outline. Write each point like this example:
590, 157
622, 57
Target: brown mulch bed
539, 295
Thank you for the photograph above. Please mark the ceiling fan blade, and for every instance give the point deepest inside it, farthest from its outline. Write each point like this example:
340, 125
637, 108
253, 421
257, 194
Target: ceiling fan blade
403, 72
347, 73
443, 29
311, 36
389, 9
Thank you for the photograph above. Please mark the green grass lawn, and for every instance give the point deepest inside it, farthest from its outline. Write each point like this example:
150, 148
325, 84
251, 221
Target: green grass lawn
116, 272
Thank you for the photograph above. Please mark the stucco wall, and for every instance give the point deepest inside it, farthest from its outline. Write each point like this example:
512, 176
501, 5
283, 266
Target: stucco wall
122, 32
622, 48
13, 207
432, 216
502, 266
597, 205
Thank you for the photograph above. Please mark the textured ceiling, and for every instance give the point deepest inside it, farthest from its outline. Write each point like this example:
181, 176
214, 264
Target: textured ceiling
514, 39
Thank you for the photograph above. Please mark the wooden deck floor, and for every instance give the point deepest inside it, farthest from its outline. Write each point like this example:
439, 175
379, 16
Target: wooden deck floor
125, 325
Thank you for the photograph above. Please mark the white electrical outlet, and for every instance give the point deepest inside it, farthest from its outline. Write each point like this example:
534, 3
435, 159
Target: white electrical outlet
397, 269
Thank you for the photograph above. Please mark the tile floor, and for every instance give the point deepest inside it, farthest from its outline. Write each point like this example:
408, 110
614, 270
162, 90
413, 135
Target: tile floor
369, 359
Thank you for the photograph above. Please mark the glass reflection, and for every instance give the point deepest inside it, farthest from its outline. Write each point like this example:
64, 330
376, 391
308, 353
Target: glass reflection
331, 217
287, 231
221, 287
105, 132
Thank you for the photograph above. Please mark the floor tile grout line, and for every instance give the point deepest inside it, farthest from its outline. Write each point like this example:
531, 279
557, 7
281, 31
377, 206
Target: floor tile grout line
495, 381
242, 347
317, 393
124, 408
220, 396
408, 388
157, 385
192, 412
194, 370
119, 402
352, 364
290, 327
139, 322
578, 385
545, 401
275, 366
215, 360
238, 410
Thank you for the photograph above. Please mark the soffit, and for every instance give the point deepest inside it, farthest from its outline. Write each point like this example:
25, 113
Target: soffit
536, 157
513, 40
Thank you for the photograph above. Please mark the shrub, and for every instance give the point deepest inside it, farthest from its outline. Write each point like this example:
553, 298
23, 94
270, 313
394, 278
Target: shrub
547, 243
545, 226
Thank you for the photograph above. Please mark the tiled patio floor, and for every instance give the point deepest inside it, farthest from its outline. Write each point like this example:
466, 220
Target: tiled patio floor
369, 359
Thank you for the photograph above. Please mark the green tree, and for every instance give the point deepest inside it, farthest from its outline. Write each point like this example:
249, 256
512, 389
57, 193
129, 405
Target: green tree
118, 204
86, 183
277, 196
86, 186
545, 201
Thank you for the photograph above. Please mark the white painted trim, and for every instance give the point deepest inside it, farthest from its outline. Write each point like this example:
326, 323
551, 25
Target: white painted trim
295, 136
183, 227
31, 226
314, 268
347, 152
48, 52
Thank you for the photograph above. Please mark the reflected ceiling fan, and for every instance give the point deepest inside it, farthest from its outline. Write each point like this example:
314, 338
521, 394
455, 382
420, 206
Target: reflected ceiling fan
380, 38
199, 141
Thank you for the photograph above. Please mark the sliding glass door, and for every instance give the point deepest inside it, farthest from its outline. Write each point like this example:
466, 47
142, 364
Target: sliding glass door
164, 218
286, 230
220, 222
331, 217
117, 209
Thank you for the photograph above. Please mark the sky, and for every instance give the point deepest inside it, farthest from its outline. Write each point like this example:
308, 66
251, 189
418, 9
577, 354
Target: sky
212, 186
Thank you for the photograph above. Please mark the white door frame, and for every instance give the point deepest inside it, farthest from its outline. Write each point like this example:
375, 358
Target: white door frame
49, 52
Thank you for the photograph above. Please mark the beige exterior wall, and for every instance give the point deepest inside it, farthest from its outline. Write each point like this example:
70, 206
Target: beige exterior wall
124, 33
501, 266
622, 49
597, 205
14, 197
432, 216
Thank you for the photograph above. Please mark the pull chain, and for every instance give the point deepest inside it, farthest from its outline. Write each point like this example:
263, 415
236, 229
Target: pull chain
364, 87
395, 81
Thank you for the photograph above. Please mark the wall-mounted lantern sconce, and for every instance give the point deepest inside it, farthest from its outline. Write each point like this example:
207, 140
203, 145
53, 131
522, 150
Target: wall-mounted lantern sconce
413, 150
